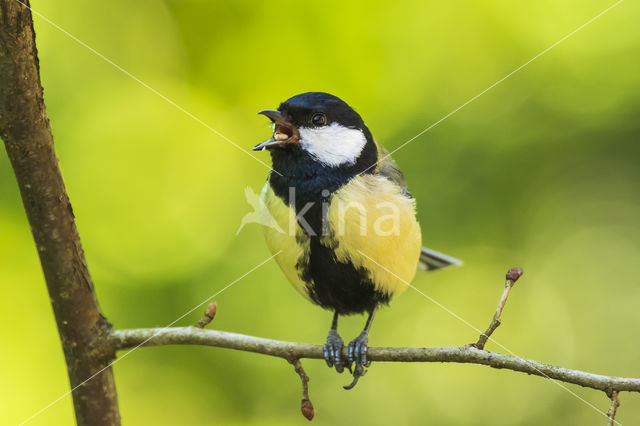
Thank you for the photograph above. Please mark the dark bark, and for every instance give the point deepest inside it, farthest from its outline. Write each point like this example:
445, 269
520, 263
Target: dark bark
25, 130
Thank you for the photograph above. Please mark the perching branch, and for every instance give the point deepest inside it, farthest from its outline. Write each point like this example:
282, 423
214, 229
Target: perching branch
468, 354
24, 128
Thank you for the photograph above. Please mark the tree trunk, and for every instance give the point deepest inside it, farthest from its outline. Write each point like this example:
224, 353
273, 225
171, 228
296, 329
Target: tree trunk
25, 130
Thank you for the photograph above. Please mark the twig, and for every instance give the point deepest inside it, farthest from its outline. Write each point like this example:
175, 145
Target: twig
512, 276
25, 130
306, 407
209, 315
615, 403
468, 354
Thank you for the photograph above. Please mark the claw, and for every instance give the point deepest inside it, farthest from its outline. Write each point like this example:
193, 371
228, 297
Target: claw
357, 373
357, 354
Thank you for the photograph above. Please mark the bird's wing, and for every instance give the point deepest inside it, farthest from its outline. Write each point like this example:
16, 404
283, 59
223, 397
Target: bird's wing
388, 168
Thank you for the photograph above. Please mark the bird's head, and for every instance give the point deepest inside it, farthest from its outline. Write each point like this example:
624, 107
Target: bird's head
320, 127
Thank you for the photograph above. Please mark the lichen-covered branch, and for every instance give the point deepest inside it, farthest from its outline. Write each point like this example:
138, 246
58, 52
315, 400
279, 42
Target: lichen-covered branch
468, 354
25, 130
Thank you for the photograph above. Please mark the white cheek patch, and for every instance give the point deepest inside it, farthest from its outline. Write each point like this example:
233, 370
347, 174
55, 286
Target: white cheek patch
333, 145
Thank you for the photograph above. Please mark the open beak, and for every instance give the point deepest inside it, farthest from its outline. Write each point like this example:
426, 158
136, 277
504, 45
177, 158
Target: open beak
283, 132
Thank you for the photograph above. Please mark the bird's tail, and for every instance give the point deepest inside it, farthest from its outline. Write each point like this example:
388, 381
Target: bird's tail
430, 260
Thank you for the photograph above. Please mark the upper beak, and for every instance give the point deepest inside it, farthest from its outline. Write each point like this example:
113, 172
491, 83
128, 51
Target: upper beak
283, 132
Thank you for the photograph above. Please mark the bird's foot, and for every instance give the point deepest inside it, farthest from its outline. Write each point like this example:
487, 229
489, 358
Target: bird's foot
333, 351
358, 354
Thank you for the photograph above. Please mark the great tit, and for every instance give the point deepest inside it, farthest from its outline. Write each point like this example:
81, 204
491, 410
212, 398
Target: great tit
348, 239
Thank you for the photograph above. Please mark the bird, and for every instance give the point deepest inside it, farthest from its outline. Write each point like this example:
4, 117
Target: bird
352, 240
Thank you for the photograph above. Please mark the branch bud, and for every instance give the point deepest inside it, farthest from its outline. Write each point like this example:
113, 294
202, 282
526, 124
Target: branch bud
513, 274
210, 312
307, 409
209, 315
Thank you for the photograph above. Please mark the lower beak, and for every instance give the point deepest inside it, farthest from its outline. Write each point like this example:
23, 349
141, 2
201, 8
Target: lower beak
284, 132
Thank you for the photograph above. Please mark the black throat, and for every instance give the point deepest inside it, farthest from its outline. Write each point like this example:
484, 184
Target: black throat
306, 184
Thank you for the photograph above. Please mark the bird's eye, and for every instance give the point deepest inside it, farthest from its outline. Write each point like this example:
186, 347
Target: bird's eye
319, 119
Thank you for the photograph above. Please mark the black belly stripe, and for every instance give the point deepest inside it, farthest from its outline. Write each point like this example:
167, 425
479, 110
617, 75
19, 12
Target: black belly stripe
331, 284
338, 286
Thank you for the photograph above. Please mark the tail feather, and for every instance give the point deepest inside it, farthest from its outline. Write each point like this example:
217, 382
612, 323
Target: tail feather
430, 260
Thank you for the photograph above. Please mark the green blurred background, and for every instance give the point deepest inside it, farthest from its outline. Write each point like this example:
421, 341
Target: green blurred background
540, 172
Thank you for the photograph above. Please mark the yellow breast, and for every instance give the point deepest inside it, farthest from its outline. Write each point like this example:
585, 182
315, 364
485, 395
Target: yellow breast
375, 227
372, 224
282, 238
